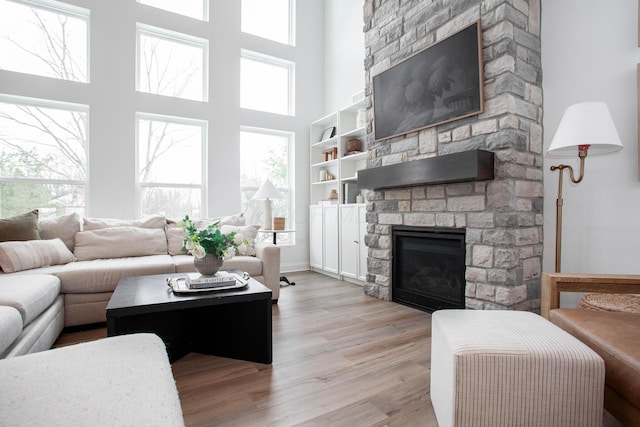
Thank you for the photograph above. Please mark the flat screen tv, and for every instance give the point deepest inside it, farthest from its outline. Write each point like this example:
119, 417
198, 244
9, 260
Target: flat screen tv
437, 85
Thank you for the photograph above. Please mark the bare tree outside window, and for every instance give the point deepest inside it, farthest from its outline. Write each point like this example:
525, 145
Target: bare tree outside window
170, 162
43, 144
44, 41
171, 64
42, 158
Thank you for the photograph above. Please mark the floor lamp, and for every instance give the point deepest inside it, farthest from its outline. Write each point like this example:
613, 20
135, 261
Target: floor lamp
584, 127
267, 192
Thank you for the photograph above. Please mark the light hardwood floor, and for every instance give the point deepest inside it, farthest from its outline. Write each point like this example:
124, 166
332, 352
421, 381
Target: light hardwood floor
340, 358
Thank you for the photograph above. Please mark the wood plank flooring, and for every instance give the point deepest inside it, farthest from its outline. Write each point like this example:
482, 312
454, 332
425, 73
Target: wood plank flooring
340, 358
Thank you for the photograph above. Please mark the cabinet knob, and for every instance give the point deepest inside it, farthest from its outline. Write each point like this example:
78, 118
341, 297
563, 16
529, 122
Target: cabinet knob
355, 241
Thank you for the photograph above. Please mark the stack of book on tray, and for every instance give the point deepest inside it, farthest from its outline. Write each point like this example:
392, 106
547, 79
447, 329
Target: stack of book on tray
220, 279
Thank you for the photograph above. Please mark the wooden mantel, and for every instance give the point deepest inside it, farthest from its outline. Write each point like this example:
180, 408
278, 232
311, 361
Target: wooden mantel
473, 165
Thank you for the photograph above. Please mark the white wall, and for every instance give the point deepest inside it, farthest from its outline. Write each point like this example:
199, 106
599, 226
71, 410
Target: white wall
344, 52
113, 102
589, 53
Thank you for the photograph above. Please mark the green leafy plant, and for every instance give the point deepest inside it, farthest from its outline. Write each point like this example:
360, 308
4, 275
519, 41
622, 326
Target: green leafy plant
211, 240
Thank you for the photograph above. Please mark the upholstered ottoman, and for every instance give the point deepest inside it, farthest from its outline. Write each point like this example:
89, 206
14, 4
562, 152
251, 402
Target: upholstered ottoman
118, 381
509, 368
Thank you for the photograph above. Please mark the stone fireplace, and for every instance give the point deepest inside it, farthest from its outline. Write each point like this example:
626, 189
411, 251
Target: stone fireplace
501, 216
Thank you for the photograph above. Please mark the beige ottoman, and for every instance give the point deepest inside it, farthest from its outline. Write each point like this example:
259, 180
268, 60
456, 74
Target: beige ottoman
512, 368
118, 381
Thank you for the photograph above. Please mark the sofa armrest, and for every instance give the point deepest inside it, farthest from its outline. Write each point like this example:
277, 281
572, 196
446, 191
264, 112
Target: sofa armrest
269, 254
554, 283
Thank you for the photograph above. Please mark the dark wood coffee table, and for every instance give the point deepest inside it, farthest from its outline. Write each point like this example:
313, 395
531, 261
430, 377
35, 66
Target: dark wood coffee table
228, 323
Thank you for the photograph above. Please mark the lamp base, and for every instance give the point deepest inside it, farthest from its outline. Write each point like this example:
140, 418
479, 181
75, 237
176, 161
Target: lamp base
268, 219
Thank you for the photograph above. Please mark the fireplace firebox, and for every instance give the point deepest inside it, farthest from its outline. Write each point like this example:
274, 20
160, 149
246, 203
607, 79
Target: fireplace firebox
428, 268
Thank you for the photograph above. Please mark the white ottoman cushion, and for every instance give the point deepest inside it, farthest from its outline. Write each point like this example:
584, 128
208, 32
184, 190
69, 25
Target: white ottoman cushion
507, 368
118, 381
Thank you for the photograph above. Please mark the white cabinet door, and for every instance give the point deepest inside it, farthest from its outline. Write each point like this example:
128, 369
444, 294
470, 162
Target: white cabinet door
362, 247
331, 260
315, 236
349, 241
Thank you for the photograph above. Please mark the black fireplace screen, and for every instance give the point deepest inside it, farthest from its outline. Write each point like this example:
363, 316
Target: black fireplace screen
428, 270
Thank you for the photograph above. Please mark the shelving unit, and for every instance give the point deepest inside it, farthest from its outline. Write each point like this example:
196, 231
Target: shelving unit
321, 184
343, 166
334, 248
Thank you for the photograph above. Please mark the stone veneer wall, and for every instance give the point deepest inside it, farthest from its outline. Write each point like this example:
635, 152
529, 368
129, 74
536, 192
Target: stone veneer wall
503, 217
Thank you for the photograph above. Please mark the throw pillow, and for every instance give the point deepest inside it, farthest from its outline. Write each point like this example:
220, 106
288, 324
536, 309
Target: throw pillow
119, 242
20, 227
18, 256
64, 227
175, 238
157, 221
237, 220
248, 231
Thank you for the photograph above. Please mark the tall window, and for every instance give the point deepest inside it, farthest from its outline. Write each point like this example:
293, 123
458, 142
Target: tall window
198, 9
266, 83
43, 160
270, 19
172, 64
171, 158
266, 154
45, 38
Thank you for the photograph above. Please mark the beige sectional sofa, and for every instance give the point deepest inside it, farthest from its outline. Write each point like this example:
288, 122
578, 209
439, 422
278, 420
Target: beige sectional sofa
66, 277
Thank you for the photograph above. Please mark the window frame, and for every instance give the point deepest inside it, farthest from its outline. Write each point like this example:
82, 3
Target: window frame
290, 66
291, 26
205, 10
175, 37
204, 152
68, 9
291, 194
59, 105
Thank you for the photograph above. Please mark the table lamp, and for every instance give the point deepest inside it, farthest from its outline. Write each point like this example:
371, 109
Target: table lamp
584, 127
267, 192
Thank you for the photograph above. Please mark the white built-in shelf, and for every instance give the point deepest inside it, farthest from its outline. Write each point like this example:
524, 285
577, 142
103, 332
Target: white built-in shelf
328, 181
355, 133
356, 157
326, 164
327, 143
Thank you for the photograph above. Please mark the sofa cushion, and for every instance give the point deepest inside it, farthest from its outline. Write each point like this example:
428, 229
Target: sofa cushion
252, 265
41, 333
157, 221
614, 336
118, 242
18, 256
29, 294
64, 227
102, 275
20, 227
10, 326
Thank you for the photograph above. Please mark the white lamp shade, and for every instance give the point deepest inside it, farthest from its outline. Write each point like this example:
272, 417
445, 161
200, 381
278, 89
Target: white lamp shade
267, 192
587, 123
